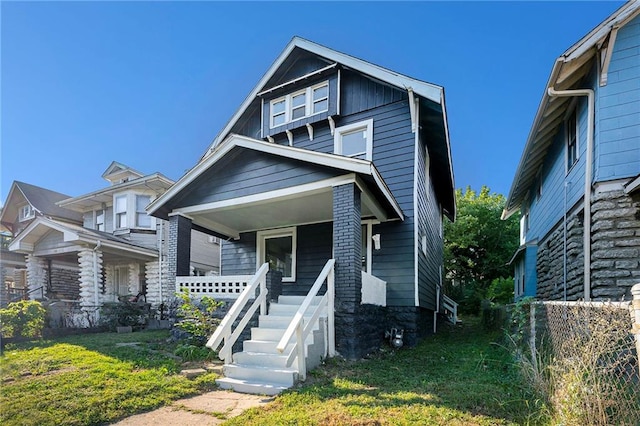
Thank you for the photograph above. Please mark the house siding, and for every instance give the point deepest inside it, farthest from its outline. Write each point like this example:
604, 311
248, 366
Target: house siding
618, 150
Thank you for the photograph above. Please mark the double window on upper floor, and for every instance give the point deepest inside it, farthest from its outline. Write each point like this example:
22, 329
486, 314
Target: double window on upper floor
301, 104
129, 211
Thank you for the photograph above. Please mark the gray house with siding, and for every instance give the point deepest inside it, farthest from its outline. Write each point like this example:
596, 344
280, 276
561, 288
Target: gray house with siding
577, 186
329, 157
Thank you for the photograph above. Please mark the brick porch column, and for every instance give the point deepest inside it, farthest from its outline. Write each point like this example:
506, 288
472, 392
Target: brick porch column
347, 241
178, 251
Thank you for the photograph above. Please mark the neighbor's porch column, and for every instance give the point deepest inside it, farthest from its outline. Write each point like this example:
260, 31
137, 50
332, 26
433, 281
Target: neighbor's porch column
36, 277
347, 241
90, 262
179, 250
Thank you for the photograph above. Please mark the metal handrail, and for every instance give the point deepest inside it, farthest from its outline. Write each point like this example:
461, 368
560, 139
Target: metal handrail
223, 332
25, 294
297, 324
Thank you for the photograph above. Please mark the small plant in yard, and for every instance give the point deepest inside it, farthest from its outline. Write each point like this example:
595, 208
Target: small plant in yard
24, 318
196, 317
190, 352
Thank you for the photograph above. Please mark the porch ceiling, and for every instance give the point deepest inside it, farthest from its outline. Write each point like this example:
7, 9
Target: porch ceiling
313, 204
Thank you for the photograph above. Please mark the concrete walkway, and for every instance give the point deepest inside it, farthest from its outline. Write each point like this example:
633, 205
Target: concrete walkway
211, 408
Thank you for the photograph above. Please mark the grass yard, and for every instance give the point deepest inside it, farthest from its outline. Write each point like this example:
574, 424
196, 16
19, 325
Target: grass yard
456, 378
90, 379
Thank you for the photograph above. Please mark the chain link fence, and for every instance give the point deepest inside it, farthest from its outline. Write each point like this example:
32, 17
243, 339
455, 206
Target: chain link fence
582, 357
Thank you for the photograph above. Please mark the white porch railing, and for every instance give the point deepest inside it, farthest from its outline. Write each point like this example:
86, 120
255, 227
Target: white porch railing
224, 332
297, 324
374, 290
450, 308
226, 287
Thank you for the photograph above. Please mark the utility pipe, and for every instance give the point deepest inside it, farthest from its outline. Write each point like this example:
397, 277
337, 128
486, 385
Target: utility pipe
587, 178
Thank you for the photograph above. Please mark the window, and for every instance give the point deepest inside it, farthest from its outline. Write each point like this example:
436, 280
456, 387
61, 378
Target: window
26, 212
304, 103
524, 227
355, 140
120, 209
100, 220
572, 140
278, 248
143, 220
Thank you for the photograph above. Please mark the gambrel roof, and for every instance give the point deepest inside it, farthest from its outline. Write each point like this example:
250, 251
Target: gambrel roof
568, 70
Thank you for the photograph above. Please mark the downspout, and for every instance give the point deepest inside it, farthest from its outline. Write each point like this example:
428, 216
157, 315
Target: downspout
587, 179
95, 273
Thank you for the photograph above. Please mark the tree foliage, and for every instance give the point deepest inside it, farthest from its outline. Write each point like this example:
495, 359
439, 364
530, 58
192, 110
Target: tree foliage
478, 245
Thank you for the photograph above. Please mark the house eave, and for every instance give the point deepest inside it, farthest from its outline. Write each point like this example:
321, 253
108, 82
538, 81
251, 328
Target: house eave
567, 71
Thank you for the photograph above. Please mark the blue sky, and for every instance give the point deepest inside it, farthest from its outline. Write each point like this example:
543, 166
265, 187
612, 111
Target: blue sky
150, 84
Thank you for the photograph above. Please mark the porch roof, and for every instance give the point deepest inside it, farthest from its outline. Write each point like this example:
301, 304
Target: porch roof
74, 238
310, 201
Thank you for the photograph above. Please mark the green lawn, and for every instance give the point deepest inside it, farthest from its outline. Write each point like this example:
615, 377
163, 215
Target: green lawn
456, 378
89, 379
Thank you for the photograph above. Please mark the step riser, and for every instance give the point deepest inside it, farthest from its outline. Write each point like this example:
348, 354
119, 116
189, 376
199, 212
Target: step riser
278, 322
277, 377
261, 360
297, 300
251, 388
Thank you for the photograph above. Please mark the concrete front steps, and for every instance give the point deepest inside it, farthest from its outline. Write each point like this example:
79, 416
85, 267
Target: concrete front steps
260, 368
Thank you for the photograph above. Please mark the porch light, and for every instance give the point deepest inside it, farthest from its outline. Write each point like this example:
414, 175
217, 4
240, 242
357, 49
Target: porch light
376, 241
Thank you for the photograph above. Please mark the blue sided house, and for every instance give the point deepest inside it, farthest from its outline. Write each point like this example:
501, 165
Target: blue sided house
332, 180
577, 187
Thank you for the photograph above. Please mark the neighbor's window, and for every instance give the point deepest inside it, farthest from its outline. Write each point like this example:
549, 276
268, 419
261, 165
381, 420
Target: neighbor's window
572, 140
120, 209
26, 212
143, 220
100, 220
304, 103
355, 140
278, 248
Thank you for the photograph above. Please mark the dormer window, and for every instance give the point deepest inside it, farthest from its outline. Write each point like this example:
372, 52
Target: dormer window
26, 212
297, 105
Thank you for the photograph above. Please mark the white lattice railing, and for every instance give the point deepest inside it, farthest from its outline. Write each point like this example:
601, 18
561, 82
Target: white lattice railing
226, 287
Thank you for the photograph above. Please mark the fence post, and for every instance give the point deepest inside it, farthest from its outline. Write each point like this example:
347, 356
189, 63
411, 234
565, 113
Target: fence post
635, 291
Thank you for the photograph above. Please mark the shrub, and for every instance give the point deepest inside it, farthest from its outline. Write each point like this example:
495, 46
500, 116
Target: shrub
196, 317
501, 291
24, 318
125, 313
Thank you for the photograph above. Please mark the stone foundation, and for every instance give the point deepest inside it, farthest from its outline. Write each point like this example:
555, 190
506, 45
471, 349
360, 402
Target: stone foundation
615, 251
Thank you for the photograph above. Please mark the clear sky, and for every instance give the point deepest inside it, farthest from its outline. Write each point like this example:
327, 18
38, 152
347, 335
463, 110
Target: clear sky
150, 84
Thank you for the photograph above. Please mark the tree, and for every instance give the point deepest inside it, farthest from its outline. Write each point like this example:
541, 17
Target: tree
478, 245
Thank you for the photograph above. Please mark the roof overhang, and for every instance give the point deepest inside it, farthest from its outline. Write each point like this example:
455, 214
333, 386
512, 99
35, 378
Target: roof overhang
155, 182
294, 205
568, 71
75, 238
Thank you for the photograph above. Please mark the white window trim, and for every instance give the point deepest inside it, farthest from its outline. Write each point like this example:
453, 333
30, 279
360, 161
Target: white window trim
567, 167
262, 236
116, 212
366, 125
130, 210
288, 106
96, 213
135, 206
30, 215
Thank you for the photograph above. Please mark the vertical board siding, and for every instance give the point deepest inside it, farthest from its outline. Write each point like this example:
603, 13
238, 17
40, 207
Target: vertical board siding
618, 112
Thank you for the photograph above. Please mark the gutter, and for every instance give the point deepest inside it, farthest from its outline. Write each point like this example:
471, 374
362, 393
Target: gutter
588, 171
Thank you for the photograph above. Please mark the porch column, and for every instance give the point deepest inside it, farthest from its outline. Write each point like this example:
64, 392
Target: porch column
90, 262
347, 242
179, 250
36, 277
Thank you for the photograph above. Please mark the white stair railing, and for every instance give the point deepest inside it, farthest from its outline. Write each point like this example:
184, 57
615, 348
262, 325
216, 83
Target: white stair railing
297, 324
450, 308
224, 332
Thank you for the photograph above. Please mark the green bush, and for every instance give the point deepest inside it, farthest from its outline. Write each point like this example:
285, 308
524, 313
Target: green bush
194, 353
501, 291
125, 313
196, 317
24, 318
